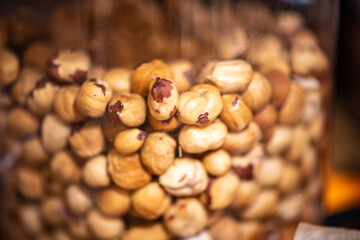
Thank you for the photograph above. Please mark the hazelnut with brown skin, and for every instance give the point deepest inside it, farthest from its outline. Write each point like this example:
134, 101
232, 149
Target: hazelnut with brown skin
245, 166
245, 193
37, 54
113, 201
118, 79
129, 141
30, 183
308, 60
184, 72
33, 152
270, 172
93, 98
162, 99
77, 199
149, 231
263, 205
30, 218
150, 201
21, 122
53, 211
64, 168
280, 140
226, 228
186, 217
146, 73
200, 106
292, 108
9, 66
300, 140
266, 119
235, 113
168, 125
127, 171
217, 162
158, 152
28, 77
205, 70
128, 108
67, 66
104, 227
54, 133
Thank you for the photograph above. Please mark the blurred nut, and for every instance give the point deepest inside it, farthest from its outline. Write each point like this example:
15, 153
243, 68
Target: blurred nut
308, 161
217, 163
33, 152
95, 173
184, 72
29, 183
245, 193
53, 211
200, 106
104, 227
28, 77
266, 119
247, 165
36, 54
54, 133
186, 217
295, 202
78, 229
129, 141
251, 230
304, 37
64, 104
129, 108
235, 113
205, 70
316, 128
299, 141
150, 201
292, 108
290, 179
127, 171
69, 66
5, 100
158, 152
146, 73
64, 168
93, 98
151, 231
77, 199
168, 125
308, 60
279, 141
9, 66
232, 43
185, 177
195, 139
21, 122
30, 218
289, 23
204, 235
263, 206
270, 172
113, 201
118, 79
313, 188
97, 71
226, 228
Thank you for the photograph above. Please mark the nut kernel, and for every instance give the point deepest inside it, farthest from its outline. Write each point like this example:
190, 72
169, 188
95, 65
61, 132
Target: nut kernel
129, 141
217, 163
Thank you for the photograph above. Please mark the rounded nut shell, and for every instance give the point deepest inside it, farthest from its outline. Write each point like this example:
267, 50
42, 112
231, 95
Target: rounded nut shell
54, 133
104, 227
266, 119
64, 168
95, 173
9, 66
280, 140
225, 228
270, 172
22, 122
245, 193
78, 199
217, 163
30, 183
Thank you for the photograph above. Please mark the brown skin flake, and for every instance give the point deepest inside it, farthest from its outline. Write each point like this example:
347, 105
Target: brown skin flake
142, 135
172, 113
235, 102
203, 118
208, 194
171, 217
40, 84
189, 75
161, 89
93, 80
79, 76
114, 109
182, 178
103, 89
244, 172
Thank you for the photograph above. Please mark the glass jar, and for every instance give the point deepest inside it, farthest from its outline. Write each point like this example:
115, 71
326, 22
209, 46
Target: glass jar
163, 119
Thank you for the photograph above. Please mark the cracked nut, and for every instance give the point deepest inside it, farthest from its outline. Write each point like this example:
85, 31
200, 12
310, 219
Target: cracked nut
9, 66
292, 108
266, 119
270, 172
217, 163
33, 152
77, 199
168, 125
30, 183
245, 193
64, 168
95, 173
28, 77
21, 122
290, 179
263, 206
184, 74
54, 133
118, 79
64, 104
129, 141
245, 166
104, 227
280, 140
225, 228
149, 231
113, 201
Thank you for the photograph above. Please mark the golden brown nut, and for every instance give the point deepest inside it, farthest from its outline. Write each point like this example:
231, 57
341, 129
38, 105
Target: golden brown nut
97, 71
316, 127
146, 73
186, 217
9, 66
217, 162
54, 133
64, 104
200, 106
64, 168
205, 70
158, 152
93, 98
95, 172
129, 108
226, 228
280, 140
245, 193
111, 128
235, 113
22, 122
290, 179
292, 108
308, 161
289, 22
184, 72
299, 141
232, 43
36, 54
304, 37
308, 60
245, 166
203, 235
296, 202
251, 230
270, 172
149, 231
87, 141
30, 183
60, 234
118, 79
231, 76
33, 152
28, 77
77, 199
168, 125
53, 211
263, 206
127, 171
113, 201
30, 218
129, 141
195, 139
69, 66
78, 229
266, 119
104, 227
150, 201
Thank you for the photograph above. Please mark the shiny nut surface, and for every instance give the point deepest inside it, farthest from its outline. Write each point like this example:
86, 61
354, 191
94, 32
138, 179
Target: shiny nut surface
217, 163
129, 141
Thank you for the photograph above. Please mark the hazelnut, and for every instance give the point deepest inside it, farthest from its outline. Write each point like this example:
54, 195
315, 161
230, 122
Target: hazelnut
9, 66
312, 189
54, 133
304, 37
235, 113
93, 98
87, 141
258, 93
129, 108
204, 235
270, 172
183, 71
37, 54
78, 229
232, 43
247, 165
150, 201
113, 201
231, 76
33, 152
241, 142
245, 193
308, 161
64, 104
30, 218
299, 141
289, 23
21, 122
129, 141
69, 66
295, 202
205, 70
217, 162
185, 177
118, 79
226, 228
195, 139
279, 141
200, 106
266, 119
29, 183
78, 199
104, 227
168, 125
51, 182
308, 60
146, 73
53, 211
251, 230
64, 168
263, 206
186, 217
162, 99
290, 179
150, 231
127, 171
97, 71
316, 128
28, 77
95, 173
158, 152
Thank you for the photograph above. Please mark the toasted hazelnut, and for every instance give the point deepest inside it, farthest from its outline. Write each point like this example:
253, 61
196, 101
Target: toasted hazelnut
316, 127
64, 104
22, 122
232, 43
226, 228
30, 183
245, 194
104, 227
87, 141
205, 70
200, 106
93, 98
158, 152
308, 161
294, 202
9, 66
129, 141
118, 79
54, 133
113, 201
151, 231
97, 71
127, 171
36, 54
69, 66
289, 23
185, 177
64, 167
263, 205
241, 142
266, 119
95, 172
292, 108
186, 217
304, 37
33, 152
217, 163
129, 108
270, 172
308, 59
77, 199
162, 99
251, 230
299, 141
168, 125
279, 141
146, 73
28, 77
78, 229
247, 165
53, 211
235, 113
290, 179
30, 218
150, 201
183, 71
195, 139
